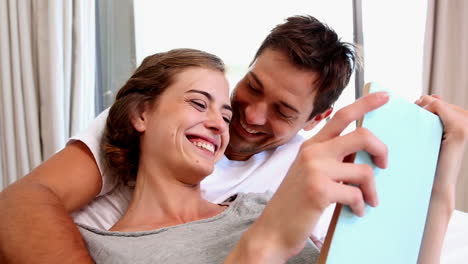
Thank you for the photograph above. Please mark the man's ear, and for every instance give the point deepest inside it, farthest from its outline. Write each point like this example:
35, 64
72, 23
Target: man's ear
138, 118
316, 119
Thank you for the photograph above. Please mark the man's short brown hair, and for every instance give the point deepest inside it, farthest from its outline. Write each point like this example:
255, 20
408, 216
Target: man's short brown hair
312, 45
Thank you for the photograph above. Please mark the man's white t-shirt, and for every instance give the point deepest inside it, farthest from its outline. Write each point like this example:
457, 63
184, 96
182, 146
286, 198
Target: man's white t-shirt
262, 172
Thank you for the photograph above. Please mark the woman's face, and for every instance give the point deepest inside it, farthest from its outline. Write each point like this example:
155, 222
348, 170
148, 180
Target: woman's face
187, 130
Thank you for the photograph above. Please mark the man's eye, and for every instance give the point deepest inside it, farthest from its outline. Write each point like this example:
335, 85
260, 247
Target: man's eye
251, 88
284, 116
199, 104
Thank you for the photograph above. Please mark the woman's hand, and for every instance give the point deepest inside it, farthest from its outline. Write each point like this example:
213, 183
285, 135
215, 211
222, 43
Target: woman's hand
455, 136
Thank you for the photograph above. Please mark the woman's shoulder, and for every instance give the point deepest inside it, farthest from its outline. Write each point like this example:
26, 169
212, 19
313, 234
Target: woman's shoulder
248, 203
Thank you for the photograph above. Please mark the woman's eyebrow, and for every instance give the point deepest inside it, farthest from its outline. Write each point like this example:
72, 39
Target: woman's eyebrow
210, 98
208, 95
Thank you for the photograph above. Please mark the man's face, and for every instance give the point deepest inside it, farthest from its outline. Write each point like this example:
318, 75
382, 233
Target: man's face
271, 104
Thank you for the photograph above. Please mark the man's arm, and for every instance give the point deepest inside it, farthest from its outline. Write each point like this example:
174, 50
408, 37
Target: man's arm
35, 225
271, 240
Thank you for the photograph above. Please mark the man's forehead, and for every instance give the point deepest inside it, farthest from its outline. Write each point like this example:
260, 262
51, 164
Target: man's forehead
295, 95
277, 63
295, 82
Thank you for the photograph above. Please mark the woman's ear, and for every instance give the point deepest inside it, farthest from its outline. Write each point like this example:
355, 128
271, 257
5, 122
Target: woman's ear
139, 119
314, 121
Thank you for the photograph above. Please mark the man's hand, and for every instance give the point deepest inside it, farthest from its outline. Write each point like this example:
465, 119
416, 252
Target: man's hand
314, 181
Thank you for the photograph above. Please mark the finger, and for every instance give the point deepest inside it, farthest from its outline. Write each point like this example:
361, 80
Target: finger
419, 100
425, 100
436, 105
444, 111
350, 113
362, 139
361, 175
439, 106
433, 106
351, 196
436, 96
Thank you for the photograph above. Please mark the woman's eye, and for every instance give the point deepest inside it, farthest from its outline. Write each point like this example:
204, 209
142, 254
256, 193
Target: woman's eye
227, 120
199, 104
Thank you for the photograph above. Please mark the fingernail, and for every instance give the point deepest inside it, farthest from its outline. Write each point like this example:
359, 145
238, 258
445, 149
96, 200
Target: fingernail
383, 94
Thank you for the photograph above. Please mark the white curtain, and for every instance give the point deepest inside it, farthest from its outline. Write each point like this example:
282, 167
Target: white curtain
47, 78
446, 65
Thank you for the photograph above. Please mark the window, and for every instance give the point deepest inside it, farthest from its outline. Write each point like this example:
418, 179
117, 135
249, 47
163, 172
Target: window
394, 44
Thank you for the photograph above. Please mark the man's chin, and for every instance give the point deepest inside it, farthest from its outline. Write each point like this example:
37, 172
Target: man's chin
241, 144
240, 150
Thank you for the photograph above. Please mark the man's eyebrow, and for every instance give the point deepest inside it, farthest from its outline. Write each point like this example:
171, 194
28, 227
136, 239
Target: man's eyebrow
210, 98
254, 76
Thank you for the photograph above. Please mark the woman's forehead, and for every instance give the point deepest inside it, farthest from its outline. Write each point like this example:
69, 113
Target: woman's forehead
209, 81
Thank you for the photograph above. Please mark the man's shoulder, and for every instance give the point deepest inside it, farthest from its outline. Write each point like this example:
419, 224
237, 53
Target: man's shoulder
296, 140
291, 147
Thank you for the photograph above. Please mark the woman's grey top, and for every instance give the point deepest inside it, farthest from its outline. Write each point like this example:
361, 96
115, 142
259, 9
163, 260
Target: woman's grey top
203, 241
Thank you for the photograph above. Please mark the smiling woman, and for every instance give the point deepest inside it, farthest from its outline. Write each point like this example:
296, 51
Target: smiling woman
143, 105
188, 122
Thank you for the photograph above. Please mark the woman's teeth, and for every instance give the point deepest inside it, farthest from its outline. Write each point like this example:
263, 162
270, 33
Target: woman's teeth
207, 146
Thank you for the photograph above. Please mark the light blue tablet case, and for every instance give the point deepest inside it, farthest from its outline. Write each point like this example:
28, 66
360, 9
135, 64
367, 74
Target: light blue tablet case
392, 232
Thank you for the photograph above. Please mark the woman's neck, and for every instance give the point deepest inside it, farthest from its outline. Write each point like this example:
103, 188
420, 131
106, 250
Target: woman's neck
160, 200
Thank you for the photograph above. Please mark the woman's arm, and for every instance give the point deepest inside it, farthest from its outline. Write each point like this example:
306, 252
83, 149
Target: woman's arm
455, 120
35, 225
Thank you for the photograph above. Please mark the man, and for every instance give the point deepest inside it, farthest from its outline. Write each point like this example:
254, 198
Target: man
297, 74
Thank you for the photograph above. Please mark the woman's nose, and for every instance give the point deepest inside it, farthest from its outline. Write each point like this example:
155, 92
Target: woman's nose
216, 123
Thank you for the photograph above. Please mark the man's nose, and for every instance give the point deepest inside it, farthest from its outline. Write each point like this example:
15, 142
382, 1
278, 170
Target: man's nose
256, 114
